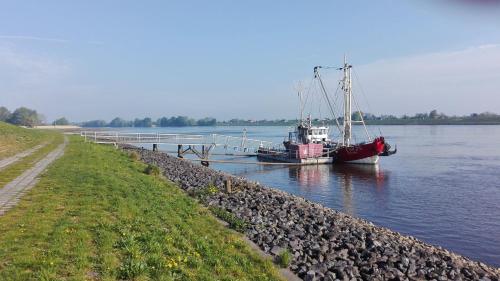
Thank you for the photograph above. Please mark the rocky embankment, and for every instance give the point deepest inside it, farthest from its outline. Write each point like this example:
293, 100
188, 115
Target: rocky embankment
325, 244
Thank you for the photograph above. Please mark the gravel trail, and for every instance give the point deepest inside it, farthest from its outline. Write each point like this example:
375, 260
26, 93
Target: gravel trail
13, 191
11, 160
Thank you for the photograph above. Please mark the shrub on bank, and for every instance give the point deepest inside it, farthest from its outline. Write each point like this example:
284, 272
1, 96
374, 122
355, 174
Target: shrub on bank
152, 170
134, 156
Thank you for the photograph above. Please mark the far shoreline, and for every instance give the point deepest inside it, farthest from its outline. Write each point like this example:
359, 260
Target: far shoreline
286, 125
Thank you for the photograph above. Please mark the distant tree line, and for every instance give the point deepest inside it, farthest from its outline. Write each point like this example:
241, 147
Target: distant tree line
174, 121
264, 122
434, 118
22, 116
431, 118
60, 122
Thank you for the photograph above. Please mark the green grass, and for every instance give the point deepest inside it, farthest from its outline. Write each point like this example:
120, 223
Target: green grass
14, 139
285, 258
152, 170
95, 215
233, 221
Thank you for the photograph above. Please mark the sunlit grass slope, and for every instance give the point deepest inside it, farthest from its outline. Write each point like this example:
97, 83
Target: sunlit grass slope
95, 215
14, 139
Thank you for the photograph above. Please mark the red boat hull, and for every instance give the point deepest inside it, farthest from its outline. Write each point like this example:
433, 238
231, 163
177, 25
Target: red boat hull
361, 152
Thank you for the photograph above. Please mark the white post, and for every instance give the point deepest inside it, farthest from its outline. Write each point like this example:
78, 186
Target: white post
244, 138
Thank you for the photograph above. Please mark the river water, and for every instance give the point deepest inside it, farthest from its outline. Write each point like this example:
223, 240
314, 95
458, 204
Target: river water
443, 185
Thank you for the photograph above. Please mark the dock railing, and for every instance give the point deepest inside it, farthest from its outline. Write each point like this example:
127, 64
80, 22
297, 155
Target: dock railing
243, 143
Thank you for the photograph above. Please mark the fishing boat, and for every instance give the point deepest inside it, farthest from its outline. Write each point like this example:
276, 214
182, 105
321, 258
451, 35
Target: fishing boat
346, 151
310, 144
306, 145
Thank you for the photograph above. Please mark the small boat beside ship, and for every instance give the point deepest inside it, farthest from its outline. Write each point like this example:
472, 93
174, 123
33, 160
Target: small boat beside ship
310, 144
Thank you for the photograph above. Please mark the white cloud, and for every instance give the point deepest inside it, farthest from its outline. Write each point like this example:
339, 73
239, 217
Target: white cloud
454, 82
34, 38
12, 38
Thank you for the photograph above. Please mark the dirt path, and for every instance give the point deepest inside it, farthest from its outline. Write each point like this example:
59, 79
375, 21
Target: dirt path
10, 160
13, 191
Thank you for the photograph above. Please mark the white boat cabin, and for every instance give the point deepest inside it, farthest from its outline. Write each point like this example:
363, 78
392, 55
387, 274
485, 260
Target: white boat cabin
310, 134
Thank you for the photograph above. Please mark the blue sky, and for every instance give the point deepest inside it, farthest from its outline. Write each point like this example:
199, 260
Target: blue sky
226, 59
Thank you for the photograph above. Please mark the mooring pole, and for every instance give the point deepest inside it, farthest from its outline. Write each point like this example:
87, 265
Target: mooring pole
204, 155
227, 185
179, 151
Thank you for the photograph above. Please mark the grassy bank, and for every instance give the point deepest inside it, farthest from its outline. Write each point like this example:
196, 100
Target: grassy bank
15, 139
95, 215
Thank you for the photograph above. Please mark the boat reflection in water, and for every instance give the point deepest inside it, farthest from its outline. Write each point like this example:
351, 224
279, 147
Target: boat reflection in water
311, 177
322, 180
371, 174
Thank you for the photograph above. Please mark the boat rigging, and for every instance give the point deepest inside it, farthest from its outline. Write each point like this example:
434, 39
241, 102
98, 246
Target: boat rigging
308, 143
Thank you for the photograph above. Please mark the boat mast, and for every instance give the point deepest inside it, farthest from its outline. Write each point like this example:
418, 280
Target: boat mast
347, 87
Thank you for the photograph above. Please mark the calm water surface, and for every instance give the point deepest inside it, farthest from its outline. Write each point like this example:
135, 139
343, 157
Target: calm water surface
443, 185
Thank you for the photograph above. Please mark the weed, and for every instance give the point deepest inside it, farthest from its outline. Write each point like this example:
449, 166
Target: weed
285, 258
132, 268
204, 193
212, 189
234, 222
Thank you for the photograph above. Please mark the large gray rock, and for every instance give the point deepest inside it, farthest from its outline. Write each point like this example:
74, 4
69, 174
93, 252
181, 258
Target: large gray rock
310, 276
